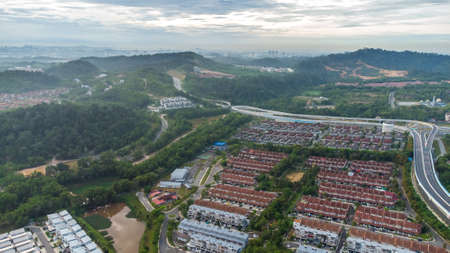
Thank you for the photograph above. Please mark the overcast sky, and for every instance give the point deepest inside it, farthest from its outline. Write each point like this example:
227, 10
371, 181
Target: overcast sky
243, 25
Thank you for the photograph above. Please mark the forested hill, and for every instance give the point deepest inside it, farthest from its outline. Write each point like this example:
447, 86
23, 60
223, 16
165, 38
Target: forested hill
24, 81
163, 62
378, 63
73, 69
34, 135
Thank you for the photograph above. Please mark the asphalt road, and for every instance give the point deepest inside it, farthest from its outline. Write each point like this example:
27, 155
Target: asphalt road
42, 238
424, 168
164, 247
144, 201
442, 149
164, 126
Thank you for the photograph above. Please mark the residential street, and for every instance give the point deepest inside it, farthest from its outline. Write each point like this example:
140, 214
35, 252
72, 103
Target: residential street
42, 238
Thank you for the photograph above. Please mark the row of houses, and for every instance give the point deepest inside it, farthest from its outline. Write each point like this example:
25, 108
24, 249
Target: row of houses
243, 196
218, 213
18, 241
262, 155
326, 162
361, 240
334, 136
372, 167
387, 220
203, 237
234, 179
333, 210
331, 237
249, 163
371, 217
353, 178
358, 194
358, 166
72, 237
172, 103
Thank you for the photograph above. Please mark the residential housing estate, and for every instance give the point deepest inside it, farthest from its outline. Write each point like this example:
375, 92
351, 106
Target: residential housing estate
72, 237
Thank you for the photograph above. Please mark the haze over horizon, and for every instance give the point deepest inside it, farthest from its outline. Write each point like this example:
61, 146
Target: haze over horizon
246, 25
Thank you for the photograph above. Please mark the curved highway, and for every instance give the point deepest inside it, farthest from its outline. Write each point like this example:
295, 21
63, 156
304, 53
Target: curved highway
427, 179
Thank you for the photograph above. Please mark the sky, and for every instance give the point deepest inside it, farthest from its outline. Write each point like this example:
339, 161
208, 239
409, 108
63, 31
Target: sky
229, 25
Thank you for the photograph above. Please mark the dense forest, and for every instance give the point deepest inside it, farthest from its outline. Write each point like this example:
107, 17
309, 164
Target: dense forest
24, 81
34, 135
23, 199
73, 69
163, 62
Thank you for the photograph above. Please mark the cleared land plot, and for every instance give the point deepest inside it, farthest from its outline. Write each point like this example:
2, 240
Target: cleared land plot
177, 74
295, 176
30, 171
98, 222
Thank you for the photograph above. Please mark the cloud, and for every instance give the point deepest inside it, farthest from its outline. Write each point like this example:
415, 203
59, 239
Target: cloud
259, 19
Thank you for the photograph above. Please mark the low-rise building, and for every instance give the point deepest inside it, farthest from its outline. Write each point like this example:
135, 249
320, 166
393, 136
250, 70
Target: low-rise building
234, 179
353, 178
170, 184
318, 232
361, 241
205, 237
335, 210
311, 249
259, 199
374, 217
220, 214
179, 175
358, 194
73, 238
18, 241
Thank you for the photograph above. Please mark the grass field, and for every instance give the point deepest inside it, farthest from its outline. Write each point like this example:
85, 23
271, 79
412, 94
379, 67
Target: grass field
311, 93
83, 187
98, 222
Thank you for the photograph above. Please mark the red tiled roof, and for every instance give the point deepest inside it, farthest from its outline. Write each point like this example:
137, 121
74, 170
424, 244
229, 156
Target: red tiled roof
319, 225
343, 177
222, 207
318, 206
378, 217
395, 241
237, 179
355, 193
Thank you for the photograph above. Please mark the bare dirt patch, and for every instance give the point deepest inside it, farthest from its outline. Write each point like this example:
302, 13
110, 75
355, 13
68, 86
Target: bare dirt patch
295, 176
126, 232
30, 171
176, 74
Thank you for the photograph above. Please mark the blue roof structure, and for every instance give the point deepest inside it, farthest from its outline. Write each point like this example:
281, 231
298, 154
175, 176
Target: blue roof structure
220, 143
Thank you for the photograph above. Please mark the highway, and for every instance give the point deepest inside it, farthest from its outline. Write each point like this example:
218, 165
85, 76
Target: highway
423, 143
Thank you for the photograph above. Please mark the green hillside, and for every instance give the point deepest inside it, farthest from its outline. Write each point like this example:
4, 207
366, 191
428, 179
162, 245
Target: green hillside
73, 69
163, 62
33, 135
366, 61
23, 81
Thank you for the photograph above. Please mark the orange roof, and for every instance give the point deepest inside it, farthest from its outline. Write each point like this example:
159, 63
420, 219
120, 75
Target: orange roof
395, 241
319, 224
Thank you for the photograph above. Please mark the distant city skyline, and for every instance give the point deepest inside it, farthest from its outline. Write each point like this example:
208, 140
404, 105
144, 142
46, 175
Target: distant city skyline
323, 26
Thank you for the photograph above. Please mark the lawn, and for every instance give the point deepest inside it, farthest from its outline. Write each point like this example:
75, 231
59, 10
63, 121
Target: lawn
98, 222
90, 184
311, 93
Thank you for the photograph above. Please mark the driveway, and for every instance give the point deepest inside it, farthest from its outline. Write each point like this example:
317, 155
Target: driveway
144, 201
